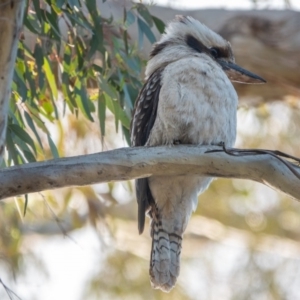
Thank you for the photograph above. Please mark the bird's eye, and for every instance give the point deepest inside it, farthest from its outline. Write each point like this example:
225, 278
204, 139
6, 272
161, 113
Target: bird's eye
214, 52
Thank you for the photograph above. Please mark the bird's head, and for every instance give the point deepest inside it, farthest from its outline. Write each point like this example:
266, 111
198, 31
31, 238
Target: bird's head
186, 36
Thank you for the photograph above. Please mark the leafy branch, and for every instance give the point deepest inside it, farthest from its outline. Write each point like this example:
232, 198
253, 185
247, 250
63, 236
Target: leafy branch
80, 63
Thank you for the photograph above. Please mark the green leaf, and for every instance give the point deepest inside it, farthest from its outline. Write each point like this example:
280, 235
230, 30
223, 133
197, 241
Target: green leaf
55, 6
67, 59
29, 156
78, 63
60, 3
67, 69
140, 37
102, 112
28, 52
19, 80
94, 45
116, 111
133, 64
105, 87
119, 113
92, 8
82, 99
20, 157
125, 39
32, 24
127, 97
124, 14
53, 21
39, 59
52, 147
74, 3
31, 81
12, 151
38, 55
35, 117
36, 5
26, 203
24, 149
130, 18
67, 93
23, 135
123, 117
126, 133
50, 77
80, 20
99, 34
146, 30
160, 25
143, 11
32, 127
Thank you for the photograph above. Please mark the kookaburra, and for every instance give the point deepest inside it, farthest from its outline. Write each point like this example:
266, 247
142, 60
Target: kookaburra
187, 98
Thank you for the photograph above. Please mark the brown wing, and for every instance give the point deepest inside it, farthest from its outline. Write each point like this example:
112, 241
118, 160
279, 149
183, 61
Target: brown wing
143, 119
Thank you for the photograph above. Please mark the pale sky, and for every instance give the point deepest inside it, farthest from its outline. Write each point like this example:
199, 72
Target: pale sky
228, 4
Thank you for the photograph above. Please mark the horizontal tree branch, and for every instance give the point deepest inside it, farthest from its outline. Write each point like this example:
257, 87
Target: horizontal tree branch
131, 163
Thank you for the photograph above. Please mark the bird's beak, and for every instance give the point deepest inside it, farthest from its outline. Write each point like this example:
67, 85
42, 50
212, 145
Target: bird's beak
237, 74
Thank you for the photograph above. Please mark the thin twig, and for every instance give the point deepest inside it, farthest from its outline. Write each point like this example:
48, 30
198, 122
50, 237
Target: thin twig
10, 293
273, 153
57, 220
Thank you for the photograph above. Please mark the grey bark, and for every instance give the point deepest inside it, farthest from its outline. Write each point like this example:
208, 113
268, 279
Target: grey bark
11, 21
131, 163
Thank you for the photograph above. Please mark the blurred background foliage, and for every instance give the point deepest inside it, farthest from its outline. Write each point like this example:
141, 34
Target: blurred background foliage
76, 78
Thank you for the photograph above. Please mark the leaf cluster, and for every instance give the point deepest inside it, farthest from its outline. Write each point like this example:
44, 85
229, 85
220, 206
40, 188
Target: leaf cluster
72, 59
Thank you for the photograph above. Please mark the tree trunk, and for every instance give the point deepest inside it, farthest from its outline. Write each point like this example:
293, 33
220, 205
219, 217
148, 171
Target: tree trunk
11, 21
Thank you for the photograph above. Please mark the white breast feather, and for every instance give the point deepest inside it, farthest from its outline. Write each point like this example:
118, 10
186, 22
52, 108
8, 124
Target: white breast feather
197, 105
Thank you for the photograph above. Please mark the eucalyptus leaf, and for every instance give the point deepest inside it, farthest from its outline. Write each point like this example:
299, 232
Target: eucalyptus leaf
52, 146
82, 100
146, 30
130, 18
33, 128
143, 11
50, 77
102, 112
160, 25
140, 35
22, 134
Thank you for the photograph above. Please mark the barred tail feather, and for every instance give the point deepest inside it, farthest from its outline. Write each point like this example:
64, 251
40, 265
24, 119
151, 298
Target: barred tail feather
165, 256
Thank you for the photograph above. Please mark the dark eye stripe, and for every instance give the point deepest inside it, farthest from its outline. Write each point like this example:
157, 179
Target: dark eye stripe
195, 44
216, 52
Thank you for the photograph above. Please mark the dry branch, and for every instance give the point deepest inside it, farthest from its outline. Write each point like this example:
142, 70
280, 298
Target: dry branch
130, 163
